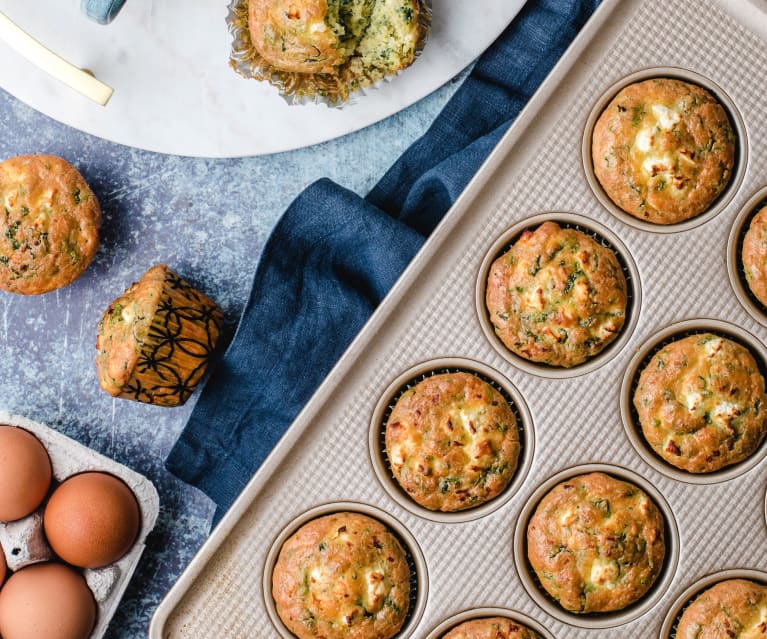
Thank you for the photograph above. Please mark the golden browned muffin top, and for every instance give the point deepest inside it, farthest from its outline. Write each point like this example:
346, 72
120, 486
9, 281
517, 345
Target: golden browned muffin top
452, 442
49, 224
663, 150
754, 255
701, 403
557, 296
596, 543
491, 628
731, 609
342, 576
319, 36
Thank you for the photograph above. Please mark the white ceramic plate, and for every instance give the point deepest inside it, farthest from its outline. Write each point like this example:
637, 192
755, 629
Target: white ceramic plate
175, 93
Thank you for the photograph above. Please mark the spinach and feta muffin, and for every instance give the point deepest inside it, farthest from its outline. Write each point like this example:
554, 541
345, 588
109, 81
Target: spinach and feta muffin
342, 576
557, 296
663, 150
452, 442
701, 403
735, 608
155, 341
326, 48
491, 628
754, 255
49, 224
596, 543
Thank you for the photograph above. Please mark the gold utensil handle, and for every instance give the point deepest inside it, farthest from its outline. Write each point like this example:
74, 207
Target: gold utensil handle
53, 64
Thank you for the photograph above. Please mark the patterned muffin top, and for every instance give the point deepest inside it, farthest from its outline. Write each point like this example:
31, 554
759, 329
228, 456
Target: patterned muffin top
754, 256
452, 442
491, 628
49, 225
342, 576
663, 150
596, 543
701, 403
557, 296
735, 609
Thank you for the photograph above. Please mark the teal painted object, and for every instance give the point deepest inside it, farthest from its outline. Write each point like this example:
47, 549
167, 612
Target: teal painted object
101, 11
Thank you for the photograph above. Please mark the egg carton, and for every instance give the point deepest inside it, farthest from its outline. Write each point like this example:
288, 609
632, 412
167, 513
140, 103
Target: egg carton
682, 279
23, 541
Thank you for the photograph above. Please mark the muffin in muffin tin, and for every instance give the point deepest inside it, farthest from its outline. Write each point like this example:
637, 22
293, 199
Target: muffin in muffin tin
734, 608
596, 543
701, 403
452, 441
663, 150
557, 296
344, 575
491, 628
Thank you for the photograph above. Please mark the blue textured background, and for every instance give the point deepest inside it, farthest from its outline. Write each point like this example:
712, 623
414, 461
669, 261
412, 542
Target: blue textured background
208, 219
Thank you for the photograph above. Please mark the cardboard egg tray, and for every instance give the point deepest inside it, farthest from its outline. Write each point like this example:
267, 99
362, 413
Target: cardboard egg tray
682, 279
23, 541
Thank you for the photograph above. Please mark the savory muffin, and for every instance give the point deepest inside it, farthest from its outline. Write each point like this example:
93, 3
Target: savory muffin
754, 255
155, 341
596, 543
491, 628
735, 608
701, 403
50, 226
342, 576
663, 150
452, 442
326, 48
557, 296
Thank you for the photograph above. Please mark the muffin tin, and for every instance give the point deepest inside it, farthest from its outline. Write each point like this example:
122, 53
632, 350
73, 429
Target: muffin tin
431, 320
23, 541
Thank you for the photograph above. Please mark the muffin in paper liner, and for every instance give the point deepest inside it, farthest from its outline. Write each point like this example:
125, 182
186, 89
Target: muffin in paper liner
331, 89
155, 340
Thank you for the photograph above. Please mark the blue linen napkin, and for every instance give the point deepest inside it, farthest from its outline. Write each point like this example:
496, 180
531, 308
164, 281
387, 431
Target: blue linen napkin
333, 256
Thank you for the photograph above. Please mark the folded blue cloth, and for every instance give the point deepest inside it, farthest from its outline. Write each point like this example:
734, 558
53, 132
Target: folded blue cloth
333, 256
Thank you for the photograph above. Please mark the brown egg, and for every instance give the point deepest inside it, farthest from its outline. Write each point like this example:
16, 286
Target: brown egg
91, 520
25, 473
46, 601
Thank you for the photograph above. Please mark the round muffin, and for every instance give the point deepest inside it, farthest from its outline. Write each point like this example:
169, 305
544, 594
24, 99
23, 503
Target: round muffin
327, 48
735, 608
701, 403
557, 297
452, 442
342, 576
50, 230
754, 255
596, 543
491, 628
663, 150
155, 341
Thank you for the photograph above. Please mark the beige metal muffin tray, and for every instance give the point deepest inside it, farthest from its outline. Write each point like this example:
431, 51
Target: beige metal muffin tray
682, 279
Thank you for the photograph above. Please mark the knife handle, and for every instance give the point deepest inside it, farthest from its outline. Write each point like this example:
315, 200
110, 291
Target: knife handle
101, 11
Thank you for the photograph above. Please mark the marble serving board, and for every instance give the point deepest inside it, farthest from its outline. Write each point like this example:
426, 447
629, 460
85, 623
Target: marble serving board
175, 92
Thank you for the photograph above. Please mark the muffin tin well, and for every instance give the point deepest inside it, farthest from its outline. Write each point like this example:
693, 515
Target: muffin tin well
741, 148
606, 619
23, 541
414, 375
481, 613
419, 581
604, 237
668, 631
755, 308
435, 320
642, 357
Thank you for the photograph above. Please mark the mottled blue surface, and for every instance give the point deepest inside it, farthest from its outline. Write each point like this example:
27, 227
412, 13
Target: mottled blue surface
208, 219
